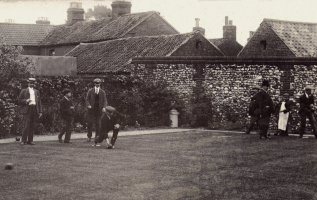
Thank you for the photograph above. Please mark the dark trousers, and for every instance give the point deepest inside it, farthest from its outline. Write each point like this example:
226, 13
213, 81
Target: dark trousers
29, 121
264, 124
66, 129
253, 122
93, 119
104, 135
312, 121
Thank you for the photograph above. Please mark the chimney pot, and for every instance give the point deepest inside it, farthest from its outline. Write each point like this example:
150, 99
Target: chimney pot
197, 22
42, 20
229, 30
226, 20
197, 28
10, 21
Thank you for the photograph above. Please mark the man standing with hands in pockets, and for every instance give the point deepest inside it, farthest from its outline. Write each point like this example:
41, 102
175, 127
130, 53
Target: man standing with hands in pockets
96, 102
31, 109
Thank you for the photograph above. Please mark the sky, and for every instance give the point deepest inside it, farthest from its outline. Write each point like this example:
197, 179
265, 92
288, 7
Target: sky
245, 14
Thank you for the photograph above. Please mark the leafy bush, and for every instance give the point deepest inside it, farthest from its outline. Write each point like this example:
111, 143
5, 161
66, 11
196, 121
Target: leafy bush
12, 66
148, 103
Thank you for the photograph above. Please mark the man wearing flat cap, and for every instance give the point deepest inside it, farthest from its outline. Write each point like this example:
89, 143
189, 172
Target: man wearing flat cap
31, 109
109, 122
306, 110
67, 114
264, 108
96, 102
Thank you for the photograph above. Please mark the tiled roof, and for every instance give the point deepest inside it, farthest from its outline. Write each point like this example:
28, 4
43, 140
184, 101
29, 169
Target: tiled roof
115, 55
24, 34
228, 47
300, 37
93, 31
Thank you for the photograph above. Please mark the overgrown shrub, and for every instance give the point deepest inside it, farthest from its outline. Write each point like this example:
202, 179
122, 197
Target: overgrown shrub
12, 67
147, 103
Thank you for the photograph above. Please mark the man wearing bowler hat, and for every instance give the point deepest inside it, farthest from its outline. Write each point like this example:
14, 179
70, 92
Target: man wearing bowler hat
31, 108
306, 110
264, 108
96, 102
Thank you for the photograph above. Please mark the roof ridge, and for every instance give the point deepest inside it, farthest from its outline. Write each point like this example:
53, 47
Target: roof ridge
6, 23
138, 13
136, 37
286, 21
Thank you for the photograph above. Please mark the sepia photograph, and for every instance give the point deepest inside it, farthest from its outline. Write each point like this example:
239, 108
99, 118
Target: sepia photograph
158, 99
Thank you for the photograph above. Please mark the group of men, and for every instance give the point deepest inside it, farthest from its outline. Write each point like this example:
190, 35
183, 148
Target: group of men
105, 118
262, 107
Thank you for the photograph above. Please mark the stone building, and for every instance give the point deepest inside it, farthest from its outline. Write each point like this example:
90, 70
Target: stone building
48, 40
228, 43
115, 56
27, 35
123, 24
282, 38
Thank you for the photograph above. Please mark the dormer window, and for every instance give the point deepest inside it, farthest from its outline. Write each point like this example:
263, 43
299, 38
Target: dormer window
263, 44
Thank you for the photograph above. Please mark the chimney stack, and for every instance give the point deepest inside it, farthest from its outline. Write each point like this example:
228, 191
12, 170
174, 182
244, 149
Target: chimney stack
229, 30
42, 20
120, 8
75, 13
197, 28
10, 21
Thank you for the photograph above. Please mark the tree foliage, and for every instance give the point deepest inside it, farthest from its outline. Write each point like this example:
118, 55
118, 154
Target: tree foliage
99, 12
12, 67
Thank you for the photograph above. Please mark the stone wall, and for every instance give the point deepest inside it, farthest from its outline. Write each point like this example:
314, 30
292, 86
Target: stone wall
227, 83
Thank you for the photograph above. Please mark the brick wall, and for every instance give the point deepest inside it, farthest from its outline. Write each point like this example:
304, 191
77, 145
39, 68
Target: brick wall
274, 45
227, 85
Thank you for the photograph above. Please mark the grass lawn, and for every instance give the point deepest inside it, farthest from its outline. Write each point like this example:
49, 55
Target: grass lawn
190, 165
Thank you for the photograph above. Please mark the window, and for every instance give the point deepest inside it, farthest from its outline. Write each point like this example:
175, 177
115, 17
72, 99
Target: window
263, 44
51, 52
198, 44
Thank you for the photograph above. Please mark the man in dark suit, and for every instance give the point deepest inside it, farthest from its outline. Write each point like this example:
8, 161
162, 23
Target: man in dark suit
96, 102
31, 108
306, 110
67, 115
254, 118
110, 121
264, 108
